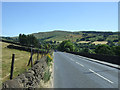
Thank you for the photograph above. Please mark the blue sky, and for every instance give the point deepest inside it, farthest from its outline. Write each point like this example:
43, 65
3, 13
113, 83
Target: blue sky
32, 17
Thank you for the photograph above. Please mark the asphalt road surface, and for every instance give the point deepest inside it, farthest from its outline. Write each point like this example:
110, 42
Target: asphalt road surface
73, 71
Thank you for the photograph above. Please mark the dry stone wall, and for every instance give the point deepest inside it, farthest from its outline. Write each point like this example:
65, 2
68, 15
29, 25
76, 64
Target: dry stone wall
29, 79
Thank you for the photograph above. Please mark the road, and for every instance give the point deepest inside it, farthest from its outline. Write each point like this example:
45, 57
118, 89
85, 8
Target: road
73, 71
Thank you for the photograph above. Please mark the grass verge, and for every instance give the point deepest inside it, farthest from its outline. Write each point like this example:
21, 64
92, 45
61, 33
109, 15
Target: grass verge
47, 73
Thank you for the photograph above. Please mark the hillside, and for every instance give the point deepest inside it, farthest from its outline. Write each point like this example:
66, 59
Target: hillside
77, 36
57, 35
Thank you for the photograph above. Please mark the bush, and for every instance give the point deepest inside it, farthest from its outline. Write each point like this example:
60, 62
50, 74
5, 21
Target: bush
116, 50
49, 59
104, 49
66, 46
47, 75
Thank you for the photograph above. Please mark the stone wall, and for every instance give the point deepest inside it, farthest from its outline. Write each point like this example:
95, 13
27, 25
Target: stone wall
28, 49
106, 58
29, 79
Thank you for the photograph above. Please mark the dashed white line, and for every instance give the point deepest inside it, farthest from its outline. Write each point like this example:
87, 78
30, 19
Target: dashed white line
71, 59
77, 62
74, 60
101, 76
92, 70
80, 64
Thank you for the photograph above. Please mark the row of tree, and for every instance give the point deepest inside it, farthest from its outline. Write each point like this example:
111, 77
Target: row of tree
31, 40
28, 40
98, 49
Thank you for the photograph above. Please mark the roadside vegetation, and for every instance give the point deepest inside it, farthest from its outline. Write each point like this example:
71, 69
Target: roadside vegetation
103, 49
47, 73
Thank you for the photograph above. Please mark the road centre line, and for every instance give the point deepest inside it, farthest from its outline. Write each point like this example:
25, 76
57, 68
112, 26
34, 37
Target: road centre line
80, 64
77, 62
74, 60
90, 69
68, 57
71, 59
101, 76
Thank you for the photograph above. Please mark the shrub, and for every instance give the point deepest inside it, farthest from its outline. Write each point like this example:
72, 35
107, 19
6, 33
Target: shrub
47, 75
104, 49
116, 50
66, 45
49, 59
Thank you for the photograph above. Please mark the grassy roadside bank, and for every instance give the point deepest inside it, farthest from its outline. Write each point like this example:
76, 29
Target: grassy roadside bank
47, 81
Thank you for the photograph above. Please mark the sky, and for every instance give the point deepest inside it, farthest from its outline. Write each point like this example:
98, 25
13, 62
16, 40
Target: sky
33, 17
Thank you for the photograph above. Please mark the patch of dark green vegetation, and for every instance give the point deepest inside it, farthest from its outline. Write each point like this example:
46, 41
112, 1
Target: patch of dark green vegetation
47, 75
103, 49
48, 60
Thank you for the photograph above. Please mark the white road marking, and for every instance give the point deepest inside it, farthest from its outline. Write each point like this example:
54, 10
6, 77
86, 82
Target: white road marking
101, 76
77, 62
74, 60
80, 64
71, 59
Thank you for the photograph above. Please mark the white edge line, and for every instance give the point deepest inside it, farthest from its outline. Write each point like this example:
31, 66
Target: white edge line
102, 62
101, 76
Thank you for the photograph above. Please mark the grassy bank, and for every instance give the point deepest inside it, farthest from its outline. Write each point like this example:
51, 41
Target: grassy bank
20, 64
47, 81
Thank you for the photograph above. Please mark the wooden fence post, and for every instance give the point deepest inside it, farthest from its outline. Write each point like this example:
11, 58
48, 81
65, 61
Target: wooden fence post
30, 60
12, 66
38, 55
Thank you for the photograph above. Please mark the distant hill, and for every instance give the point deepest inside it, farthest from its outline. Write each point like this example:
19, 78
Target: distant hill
77, 36
59, 36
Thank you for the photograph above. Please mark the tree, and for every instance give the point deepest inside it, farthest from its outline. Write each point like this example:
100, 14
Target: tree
28, 40
110, 43
47, 46
103, 49
77, 40
116, 50
85, 50
22, 39
66, 45
101, 39
54, 42
32, 40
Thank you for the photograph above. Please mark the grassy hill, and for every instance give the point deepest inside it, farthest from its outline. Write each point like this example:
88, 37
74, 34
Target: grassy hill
57, 35
77, 36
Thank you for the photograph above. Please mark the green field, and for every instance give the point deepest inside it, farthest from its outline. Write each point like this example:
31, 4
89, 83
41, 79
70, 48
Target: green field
20, 64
